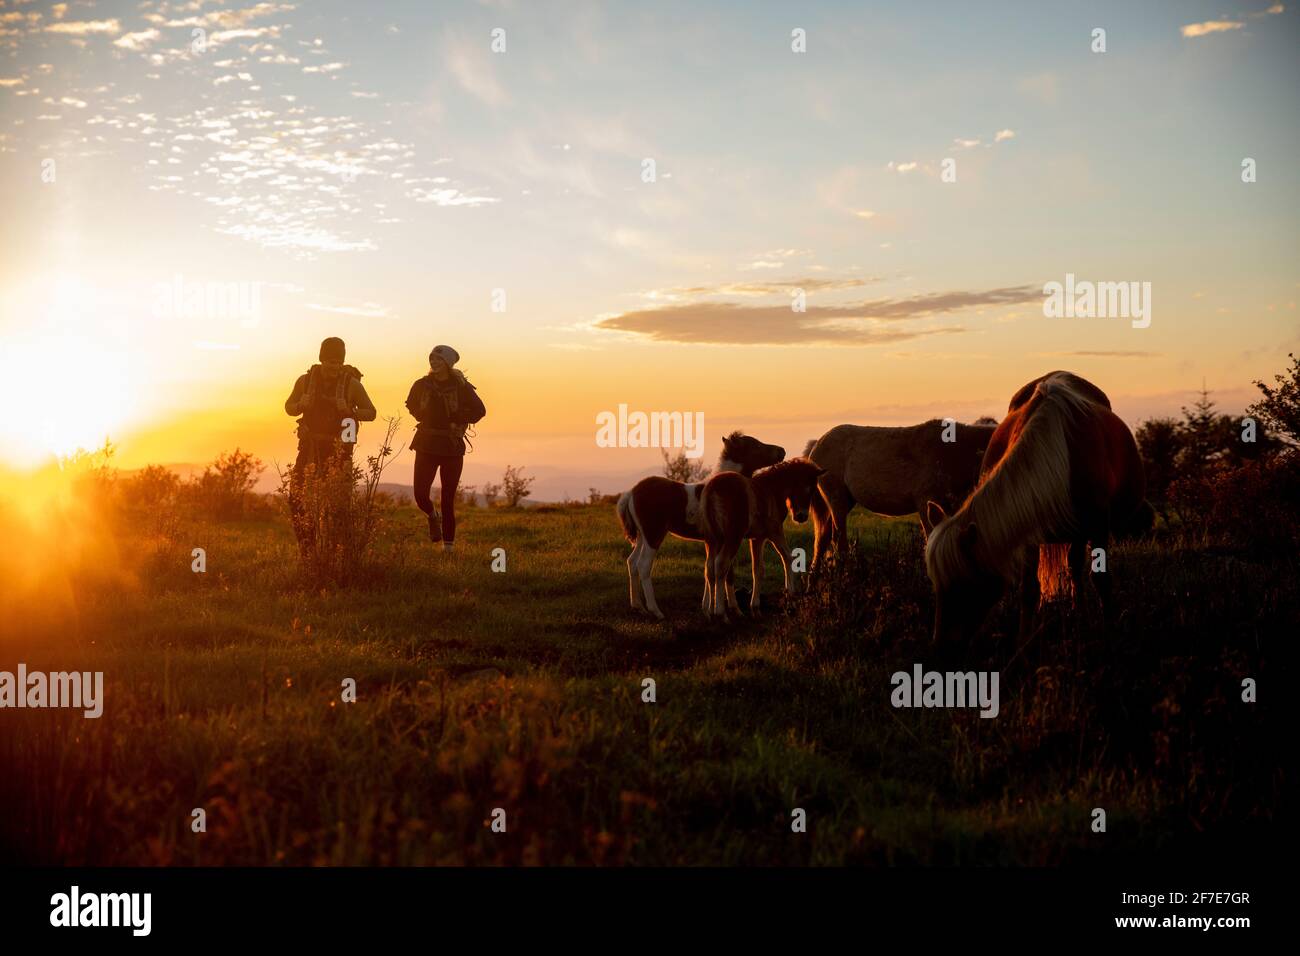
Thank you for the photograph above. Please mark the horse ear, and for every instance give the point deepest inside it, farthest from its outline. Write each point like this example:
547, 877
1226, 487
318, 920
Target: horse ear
934, 511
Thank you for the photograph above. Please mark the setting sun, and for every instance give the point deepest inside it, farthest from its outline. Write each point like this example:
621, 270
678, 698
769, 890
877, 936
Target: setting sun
73, 395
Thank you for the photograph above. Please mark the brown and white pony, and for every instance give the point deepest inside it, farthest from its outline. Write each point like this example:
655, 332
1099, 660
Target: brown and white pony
892, 471
733, 508
1061, 470
657, 507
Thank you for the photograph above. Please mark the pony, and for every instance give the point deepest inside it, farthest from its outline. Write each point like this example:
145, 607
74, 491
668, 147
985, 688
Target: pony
1061, 470
892, 471
733, 508
657, 507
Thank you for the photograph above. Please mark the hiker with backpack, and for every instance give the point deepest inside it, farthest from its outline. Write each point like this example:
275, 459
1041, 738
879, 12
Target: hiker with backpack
325, 396
444, 404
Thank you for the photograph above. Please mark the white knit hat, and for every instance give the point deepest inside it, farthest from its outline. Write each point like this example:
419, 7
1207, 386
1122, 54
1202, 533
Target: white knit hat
446, 353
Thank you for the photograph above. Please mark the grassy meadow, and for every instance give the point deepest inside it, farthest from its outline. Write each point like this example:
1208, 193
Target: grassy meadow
522, 690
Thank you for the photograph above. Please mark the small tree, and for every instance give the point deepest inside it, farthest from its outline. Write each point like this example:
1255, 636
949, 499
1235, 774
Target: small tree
468, 495
337, 512
1279, 409
491, 491
514, 486
593, 496
1201, 436
681, 468
223, 488
92, 471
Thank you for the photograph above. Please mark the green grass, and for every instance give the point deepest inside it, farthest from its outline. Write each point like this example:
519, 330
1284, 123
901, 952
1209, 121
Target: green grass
522, 690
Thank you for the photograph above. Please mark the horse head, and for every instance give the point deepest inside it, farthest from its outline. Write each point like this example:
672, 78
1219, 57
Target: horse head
964, 590
801, 486
746, 454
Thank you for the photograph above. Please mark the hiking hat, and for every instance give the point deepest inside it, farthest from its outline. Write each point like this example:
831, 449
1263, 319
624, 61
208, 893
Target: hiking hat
332, 350
447, 354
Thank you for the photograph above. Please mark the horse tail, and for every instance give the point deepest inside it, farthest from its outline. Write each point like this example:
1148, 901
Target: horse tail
1054, 579
626, 518
711, 520
807, 449
821, 510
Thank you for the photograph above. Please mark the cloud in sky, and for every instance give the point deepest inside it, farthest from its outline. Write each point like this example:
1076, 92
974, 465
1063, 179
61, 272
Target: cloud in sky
1210, 26
757, 288
1119, 353
472, 68
138, 40
729, 323
84, 27
369, 310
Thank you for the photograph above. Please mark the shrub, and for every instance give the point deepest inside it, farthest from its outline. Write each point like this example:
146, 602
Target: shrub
336, 515
1279, 409
223, 491
149, 488
514, 486
681, 468
1253, 507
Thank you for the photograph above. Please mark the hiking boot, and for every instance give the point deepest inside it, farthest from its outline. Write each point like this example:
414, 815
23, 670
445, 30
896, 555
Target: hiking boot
435, 526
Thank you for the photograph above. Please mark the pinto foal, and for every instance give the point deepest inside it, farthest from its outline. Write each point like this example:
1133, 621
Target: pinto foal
733, 508
657, 507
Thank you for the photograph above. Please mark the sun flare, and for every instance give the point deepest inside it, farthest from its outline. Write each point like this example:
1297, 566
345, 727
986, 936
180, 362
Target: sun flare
60, 394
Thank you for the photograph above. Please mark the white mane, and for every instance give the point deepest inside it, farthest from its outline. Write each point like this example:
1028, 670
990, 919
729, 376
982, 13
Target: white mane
1026, 493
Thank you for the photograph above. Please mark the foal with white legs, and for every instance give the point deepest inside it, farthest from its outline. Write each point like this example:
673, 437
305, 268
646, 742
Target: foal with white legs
657, 507
733, 508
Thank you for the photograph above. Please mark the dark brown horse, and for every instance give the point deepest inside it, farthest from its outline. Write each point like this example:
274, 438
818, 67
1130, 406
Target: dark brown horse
657, 507
1061, 470
733, 508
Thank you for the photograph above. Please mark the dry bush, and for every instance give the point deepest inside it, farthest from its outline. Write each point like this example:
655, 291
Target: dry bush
339, 513
1254, 506
224, 491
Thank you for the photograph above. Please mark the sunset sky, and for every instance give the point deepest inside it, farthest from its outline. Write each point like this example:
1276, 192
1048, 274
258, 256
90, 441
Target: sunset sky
376, 170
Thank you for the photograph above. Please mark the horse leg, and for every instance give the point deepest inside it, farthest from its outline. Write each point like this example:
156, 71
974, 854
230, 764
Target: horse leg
1029, 593
646, 565
783, 552
822, 527
707, 604
1079, 574
1102, 579
718, 582
732, 603
841, 502
756, 559
634, 576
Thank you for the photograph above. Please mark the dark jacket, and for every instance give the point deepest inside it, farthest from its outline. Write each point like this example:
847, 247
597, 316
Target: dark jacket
316, 401
443, 412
